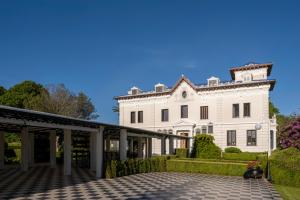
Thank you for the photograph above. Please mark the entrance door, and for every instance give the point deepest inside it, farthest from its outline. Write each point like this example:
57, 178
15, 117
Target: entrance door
183, 142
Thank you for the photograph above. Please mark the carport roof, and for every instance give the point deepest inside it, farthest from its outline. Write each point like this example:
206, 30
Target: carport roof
13, 119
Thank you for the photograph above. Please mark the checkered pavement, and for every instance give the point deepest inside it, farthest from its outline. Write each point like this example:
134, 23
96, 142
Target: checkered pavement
42, 182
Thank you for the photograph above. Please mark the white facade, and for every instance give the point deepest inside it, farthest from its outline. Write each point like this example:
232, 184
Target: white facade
249, 86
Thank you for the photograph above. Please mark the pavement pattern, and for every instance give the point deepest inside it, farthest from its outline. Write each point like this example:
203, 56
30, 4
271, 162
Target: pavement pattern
42, 182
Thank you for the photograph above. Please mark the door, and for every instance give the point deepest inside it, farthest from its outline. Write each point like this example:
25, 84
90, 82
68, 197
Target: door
183, 143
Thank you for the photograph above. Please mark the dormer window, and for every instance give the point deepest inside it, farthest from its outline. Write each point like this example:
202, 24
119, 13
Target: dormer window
247, 77
160, 87
213, 81
134, 91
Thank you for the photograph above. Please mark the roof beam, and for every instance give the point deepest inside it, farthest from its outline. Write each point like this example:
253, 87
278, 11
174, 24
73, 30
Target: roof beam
21, 122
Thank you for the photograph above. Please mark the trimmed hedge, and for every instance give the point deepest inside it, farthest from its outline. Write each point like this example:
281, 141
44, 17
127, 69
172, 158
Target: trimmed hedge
232, 150
204, 147
116, 168
182, 153
206, 167
246, 156
285, 167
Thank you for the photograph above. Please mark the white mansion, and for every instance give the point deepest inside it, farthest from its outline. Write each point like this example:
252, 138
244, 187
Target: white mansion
235, 112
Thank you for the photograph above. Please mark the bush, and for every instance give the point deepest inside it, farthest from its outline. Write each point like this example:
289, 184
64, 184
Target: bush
204, 147
182, 153
245, 156
116, 168
232, 150
290, 135
285, 167
206, 167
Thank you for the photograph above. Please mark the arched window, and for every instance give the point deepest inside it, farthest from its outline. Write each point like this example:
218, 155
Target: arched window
198, 131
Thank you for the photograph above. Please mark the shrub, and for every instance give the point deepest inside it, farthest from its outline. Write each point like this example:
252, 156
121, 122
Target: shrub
232, 150
182, 153
133, 166
194, 166
245, 156
285, 167
290, 135
204, 147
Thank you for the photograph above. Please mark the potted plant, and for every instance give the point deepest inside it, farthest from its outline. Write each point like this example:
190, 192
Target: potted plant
253, 170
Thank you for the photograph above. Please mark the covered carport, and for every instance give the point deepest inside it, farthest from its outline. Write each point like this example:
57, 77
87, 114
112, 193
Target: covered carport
100, 137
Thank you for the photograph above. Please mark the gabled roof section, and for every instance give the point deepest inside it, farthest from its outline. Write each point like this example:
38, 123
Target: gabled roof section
183, 79
250, 67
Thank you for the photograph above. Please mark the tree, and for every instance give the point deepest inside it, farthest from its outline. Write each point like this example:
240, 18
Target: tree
59, 100
85, 108
290, 135
20, 94
2, 90
272, 109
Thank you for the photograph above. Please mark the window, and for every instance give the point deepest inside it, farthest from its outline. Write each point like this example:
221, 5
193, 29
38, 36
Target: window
140, 116
235, 110
246, 109
210, 129
159, 88
203, 112
251, 137
132, 117
164, 115
231, 138
198, 131
184, 111
204, 129
212, 82
272, 139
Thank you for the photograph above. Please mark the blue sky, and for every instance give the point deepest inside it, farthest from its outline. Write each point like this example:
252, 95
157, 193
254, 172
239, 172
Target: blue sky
104, 47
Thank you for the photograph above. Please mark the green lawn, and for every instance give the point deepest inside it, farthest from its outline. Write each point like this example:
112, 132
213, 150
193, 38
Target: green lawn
288, 192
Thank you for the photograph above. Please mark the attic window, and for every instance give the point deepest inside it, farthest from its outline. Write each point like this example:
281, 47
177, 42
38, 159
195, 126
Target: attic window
247, 77
212, 82
159, 89
135, 91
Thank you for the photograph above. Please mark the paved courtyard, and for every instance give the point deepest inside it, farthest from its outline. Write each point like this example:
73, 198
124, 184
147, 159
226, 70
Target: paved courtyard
45, 183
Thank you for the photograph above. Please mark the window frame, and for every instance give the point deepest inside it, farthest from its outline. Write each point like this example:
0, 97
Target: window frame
140, 117
203, 112
231, 133
234, 114
132, 117
249, 110
210, 127
182, 115
162, 115
251, 143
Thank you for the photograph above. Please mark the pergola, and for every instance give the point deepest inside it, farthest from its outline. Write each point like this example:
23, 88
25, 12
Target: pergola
28, 122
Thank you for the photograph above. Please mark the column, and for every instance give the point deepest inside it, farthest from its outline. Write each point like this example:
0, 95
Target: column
99, 152
123, 144
67, 152
131, 147
140, 147
149, 148
107, 143
171, 145
2, 143
163, 146
52, 148
31, 148
93, 151
24, 149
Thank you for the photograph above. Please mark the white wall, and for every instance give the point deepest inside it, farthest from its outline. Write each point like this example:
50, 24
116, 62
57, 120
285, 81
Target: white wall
219, 104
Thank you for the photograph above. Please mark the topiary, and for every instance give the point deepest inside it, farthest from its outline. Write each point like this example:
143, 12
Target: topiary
204, 147
232, 150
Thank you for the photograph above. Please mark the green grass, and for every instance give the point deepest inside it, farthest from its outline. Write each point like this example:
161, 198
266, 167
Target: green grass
288, 192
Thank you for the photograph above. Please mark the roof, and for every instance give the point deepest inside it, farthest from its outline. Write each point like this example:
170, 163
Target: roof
250, 67
13, 119
199, 88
